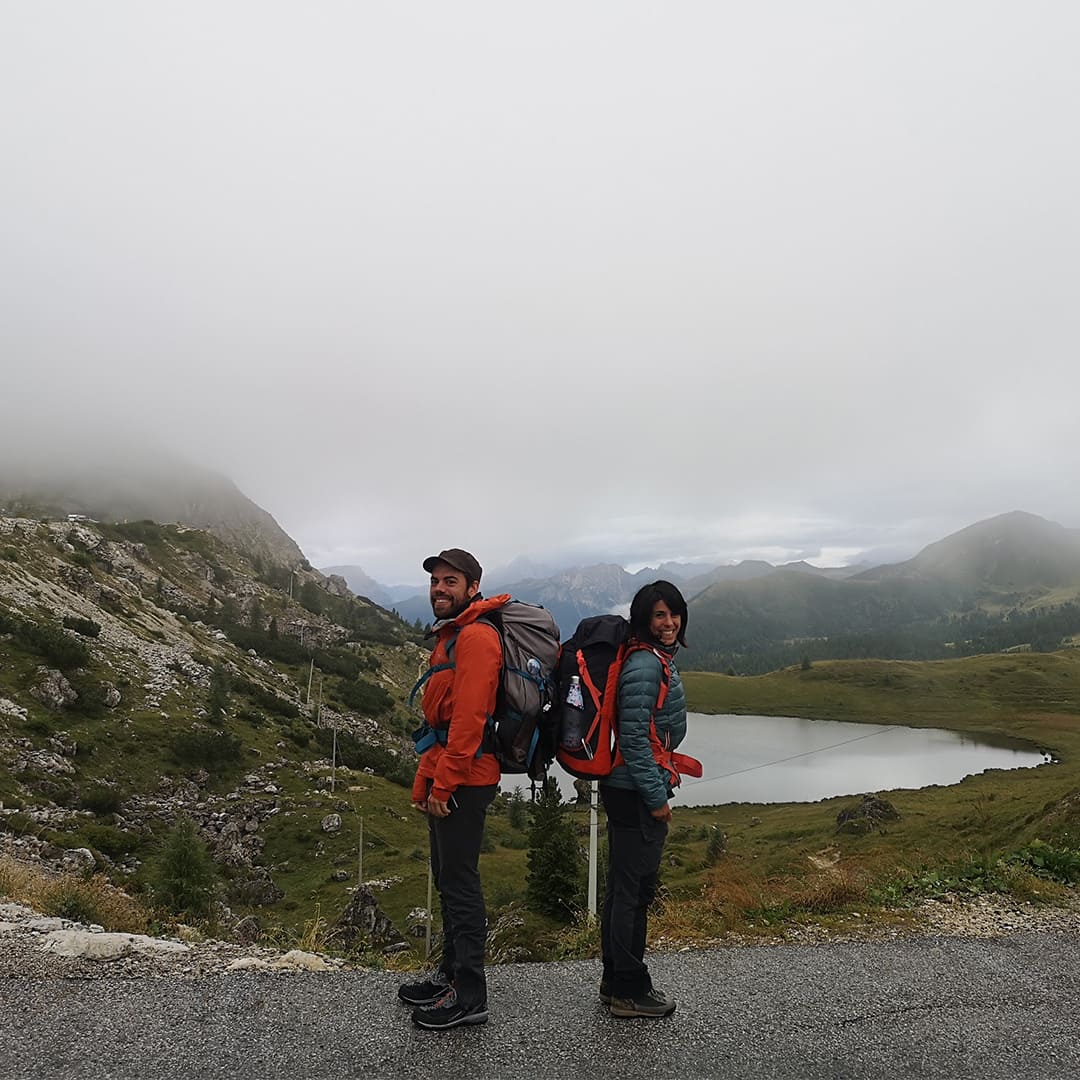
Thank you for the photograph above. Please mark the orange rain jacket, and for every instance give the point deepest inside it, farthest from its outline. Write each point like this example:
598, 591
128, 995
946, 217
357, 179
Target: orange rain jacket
461, 700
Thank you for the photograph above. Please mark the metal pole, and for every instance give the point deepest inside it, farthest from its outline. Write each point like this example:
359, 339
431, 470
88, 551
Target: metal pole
311, 672
360, 861
333, 759
427, 929
592, 850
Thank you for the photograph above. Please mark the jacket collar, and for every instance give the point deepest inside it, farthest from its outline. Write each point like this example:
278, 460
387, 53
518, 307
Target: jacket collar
476, 609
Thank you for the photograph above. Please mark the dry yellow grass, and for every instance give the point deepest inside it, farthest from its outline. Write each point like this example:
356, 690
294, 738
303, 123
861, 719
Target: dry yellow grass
86, 900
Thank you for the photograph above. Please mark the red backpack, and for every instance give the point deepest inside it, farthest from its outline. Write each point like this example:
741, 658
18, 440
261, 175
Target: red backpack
588, 669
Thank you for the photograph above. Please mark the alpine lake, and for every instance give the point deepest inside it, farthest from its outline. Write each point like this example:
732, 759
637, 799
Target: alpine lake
774, 759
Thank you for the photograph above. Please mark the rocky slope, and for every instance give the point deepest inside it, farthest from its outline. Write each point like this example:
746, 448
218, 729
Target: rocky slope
151, 673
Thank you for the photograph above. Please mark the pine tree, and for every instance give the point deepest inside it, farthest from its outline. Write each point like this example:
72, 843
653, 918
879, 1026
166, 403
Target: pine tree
553, 881
184, 875
517, 811
220, 685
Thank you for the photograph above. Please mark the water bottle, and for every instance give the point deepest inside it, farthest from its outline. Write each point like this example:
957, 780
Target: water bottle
573, 727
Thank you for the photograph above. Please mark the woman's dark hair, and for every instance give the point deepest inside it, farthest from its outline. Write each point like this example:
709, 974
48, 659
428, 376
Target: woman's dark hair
641, 609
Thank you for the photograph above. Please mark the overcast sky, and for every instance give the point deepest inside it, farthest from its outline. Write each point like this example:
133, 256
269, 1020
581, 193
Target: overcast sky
573, 280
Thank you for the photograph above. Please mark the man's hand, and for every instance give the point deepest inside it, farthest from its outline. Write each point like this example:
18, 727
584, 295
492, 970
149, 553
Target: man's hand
662, 813
421, 806
438, 808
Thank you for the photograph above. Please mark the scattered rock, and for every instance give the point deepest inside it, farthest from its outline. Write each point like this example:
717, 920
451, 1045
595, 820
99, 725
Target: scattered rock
247, 930
363, 919
331, 823
85, 943
249, 963
79, 860
53, 690
9, 708
866, 816
300, 961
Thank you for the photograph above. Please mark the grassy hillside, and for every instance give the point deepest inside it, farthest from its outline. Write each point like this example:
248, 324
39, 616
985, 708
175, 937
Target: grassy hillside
1012, 582
191, 662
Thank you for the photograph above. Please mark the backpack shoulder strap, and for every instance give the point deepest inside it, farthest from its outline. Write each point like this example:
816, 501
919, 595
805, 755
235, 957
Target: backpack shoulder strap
665, 669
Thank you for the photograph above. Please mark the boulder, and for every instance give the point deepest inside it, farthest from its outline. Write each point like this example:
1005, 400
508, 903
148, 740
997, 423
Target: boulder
79, 860
95, 946
9, 708
53, 690
247, 930
866, 816
336, 585
331, 823
257, 890
298, 960
364, 920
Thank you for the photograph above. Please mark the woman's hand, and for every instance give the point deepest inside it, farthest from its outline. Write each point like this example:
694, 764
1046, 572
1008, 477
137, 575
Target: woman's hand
662, 813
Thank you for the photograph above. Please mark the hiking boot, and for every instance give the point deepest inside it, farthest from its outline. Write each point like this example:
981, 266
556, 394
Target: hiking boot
605, 991
448, 1013
652, 1003
429, 991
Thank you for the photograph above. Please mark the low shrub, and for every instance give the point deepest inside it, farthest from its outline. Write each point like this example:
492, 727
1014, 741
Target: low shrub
265, 699
364, 697
299, 735
1056, 863
214, 751
86, 627
51, 643
91, 700
116, 843
101, 800
356, 754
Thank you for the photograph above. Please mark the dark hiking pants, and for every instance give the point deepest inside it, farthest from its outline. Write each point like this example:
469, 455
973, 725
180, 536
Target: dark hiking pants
455, 866
635, 844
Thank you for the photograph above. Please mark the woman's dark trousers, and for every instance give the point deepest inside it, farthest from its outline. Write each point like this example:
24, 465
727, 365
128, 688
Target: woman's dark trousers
635, 844
455, 865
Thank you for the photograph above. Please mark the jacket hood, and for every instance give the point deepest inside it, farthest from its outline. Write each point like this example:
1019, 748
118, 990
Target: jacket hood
480, 606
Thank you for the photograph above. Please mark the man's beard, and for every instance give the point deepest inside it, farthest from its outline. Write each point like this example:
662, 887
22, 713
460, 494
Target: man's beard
453, 611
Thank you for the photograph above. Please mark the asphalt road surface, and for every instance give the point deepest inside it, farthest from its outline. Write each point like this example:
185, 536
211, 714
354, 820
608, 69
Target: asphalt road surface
926, 1007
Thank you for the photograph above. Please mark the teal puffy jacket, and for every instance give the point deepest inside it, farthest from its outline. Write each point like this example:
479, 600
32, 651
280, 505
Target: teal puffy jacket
639, 685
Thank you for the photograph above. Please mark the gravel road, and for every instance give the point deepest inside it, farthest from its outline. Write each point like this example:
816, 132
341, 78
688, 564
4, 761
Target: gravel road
1001, 1007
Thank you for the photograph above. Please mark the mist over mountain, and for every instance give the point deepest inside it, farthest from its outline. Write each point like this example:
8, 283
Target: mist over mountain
1012, 581
114, 484
1015, 552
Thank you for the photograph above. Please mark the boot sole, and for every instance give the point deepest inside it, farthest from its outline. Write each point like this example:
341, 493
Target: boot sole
629, 1013
470, 1018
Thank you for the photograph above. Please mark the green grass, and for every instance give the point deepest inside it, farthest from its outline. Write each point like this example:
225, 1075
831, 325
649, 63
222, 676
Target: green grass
780, 863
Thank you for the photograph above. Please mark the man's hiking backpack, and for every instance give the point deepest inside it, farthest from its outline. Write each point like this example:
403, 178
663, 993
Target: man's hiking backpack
588, 735
516, 733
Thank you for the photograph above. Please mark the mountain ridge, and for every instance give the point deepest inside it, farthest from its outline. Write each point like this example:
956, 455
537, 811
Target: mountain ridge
152, 486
